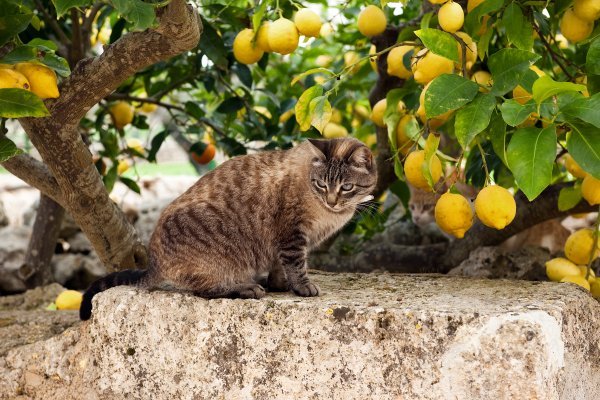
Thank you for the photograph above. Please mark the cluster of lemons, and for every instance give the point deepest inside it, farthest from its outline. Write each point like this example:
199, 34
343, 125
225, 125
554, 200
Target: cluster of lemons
577, 23
280, 36
580, 249
590, 186
34, 77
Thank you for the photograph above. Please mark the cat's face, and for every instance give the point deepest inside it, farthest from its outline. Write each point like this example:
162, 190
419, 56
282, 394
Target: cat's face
342, 173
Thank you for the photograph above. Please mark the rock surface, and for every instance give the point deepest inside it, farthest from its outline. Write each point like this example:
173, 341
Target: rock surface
376, 336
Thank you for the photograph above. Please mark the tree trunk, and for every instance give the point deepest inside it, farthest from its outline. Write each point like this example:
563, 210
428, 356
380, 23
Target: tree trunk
36, 269
58, 141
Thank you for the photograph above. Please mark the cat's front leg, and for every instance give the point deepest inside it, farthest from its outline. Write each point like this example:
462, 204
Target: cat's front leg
293, 254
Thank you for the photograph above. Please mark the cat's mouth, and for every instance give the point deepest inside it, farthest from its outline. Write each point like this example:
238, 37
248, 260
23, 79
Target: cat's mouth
339, 208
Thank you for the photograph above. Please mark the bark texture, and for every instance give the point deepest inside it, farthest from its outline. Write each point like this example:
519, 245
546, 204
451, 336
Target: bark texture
79, 187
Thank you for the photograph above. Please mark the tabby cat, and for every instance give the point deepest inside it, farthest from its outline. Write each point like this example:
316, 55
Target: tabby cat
253, 214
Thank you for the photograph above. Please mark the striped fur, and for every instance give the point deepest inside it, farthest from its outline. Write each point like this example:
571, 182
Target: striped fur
256, 214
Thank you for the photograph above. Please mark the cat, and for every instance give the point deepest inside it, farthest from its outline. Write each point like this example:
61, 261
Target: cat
550, 234
254, 214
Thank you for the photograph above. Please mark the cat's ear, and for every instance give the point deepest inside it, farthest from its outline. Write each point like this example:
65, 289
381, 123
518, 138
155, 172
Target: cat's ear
362, 158
319, 148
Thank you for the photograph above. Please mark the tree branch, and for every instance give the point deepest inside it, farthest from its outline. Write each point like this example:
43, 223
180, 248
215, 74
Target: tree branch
62, 36
35, 173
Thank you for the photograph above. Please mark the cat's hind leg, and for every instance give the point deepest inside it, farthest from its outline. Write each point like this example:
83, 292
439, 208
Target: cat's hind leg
236, 291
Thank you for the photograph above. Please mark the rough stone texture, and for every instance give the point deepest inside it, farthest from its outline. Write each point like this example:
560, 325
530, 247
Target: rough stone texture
13, 245
376, 336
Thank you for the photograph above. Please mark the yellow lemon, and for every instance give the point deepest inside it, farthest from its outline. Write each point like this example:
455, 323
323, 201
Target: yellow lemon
122, 166
562, 41
264, 111
370, 140
326, 30
135, 144
413, 169
583, 81
578, 280
283, 118
471, 50
451, 17
42, 80
401, 134
521, 95
483, 78
361, 111
579, 245
395, 62
244, 50
336, 116
351, 61
572, 166
122, 114
283, 36
595, 289
377, 113
574, 28
373, 60
427, 66
10, 79
590, 190
559, 267
68, 300
308, 22
587, 10
323, 61
333, 130
454, 214
148, 108
371, 21
262, 38
495, 207
583, 272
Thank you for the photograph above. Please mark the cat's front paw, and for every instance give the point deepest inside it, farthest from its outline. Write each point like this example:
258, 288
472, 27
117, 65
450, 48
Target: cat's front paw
307, 289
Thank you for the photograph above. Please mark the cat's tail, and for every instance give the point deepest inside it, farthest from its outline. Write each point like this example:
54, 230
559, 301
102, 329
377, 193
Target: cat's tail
125, 277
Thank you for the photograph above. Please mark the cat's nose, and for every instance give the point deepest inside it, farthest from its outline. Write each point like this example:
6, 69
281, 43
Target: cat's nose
331, 200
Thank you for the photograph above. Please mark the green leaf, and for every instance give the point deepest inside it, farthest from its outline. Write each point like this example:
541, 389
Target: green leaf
62, 6
18, 103
545, 87
426, 20
448, 92
473, 118
592, 60
302, 108
38, 53
431, 145
391, 115
583, 143
484, 44
140, 14
131, 184
518, 28
439, 42
193, 109
585, 108
515, 113
13, 20
156, 143
51, 307
110, 178
212, 45
569, 197
497, 133
310, 72
398, 168
258, 15
507, 67
530, 156
8, 149
473, 18
230, 105
320, 112
38, 42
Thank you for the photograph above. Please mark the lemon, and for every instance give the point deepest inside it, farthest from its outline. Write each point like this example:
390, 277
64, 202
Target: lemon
559, 267
401, 135
471, 50
454, 214
42, 80
373, 60
495, 207
583, 273
283, 36
308, 22
262, 38
426, 66
351, 61
333, 130
572, 166
437, 1
326, 30
361, 111
122, 166
578, 280
436, 122
68, 300
371, 21
10, 79
579, 245
370, 140
521, 95
283, 118
562, 41
377, 113
451, 17
395, 62
590, 190
414, 171
148, 108
323, 61
587, 10
263, 111
336, 116
595, 288
135, 144
122, 114
483, 78
574, 28
244, 50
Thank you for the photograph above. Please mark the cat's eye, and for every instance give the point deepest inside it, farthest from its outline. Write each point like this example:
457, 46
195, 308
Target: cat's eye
346, 187
320, 184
